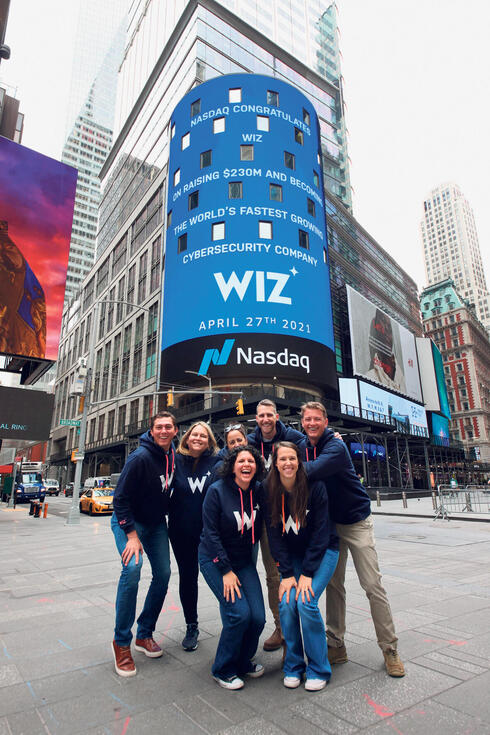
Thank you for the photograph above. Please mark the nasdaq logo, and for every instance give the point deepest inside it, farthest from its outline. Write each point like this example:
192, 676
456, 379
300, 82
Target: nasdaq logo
213, 356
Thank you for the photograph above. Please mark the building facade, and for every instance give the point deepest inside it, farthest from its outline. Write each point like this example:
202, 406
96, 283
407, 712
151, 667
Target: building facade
465, 347
451, 248
11, 119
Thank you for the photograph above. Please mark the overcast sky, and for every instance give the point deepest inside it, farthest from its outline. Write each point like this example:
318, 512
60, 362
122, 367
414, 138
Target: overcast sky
416, 84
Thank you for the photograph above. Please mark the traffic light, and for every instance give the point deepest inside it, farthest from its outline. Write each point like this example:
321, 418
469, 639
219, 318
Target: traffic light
170, 398
239, 407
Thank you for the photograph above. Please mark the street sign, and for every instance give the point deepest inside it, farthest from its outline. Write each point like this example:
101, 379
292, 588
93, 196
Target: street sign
78, 457
69, 422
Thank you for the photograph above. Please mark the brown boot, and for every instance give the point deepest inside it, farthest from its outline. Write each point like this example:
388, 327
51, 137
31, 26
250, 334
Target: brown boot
123, 660
274, 642
337, 654
393, 663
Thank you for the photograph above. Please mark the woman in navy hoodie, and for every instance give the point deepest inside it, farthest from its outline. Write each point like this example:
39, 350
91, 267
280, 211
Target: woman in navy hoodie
232, 516
196, 458
304, 544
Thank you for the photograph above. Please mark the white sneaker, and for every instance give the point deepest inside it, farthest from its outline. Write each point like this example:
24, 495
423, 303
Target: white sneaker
230, 682
256, 672
291, 682
314, 685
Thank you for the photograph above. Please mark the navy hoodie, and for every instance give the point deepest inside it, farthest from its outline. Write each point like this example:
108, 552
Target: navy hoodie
189, 487
228, 533
309, 542
330, 461
283, 434
143, 489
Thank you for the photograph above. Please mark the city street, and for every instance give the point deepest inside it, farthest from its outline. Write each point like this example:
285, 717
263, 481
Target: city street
57, 590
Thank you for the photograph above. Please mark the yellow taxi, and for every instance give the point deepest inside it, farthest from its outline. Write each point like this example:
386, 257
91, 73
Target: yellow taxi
96, 501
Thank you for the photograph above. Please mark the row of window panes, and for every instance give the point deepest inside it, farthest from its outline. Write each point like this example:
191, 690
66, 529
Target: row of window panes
265, 233
235, 191
235, 96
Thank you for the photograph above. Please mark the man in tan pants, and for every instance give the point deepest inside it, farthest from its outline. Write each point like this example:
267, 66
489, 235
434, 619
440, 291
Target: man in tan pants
269, 431
328, 459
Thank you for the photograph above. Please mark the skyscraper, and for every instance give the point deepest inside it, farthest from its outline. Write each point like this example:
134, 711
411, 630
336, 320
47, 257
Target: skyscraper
451, 248
98, 52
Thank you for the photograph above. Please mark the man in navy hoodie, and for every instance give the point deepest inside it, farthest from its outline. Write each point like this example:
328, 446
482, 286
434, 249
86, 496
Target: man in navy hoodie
141, 502
269, 431
328, 459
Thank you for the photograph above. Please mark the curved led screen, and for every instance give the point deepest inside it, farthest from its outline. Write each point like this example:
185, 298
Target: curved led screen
246, 288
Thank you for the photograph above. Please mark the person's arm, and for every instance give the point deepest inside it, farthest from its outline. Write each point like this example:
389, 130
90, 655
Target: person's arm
331, 460
211, 512
130, 478
319, 531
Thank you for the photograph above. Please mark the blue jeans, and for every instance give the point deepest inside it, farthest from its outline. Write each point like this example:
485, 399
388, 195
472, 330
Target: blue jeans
308, 614
243, 620
154, 540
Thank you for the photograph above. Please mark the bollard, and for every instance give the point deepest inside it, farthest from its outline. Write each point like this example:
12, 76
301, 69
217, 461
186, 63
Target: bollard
37, 510
45, 514
404, 499
434, 500
378, 498
31, 509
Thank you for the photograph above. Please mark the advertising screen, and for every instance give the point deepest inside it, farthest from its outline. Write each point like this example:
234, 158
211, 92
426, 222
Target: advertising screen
36, 212
427, 374
382, 350
441, 382
349, 396
404, 415
246, 288
370, 450
25, 414
440, 430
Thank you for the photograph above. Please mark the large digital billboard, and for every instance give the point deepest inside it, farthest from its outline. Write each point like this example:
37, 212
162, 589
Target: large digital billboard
440, 430
25, 414
36, 212
246, 289
405, 416
441, 381
382, 349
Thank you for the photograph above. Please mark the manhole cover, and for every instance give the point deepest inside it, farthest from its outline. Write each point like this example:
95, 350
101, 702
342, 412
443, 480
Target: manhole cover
406, 537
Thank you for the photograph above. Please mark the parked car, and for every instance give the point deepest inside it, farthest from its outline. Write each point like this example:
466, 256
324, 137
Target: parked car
52, 487
97, 501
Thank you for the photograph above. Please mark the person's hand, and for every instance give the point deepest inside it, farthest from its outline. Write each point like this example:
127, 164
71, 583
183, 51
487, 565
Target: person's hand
286, 585
304, 588
336, 435
133, 548
231, 585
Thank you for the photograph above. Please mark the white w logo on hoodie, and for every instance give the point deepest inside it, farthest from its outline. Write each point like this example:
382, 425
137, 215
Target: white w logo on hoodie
197, 483
247, 520
290, 525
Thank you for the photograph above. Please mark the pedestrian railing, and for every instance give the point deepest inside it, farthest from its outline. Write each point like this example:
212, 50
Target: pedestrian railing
468, 499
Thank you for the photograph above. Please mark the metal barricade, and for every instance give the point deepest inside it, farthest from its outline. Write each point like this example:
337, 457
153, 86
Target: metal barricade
468, 499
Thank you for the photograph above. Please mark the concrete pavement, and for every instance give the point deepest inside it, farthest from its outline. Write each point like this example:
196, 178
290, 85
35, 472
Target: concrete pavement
57, 591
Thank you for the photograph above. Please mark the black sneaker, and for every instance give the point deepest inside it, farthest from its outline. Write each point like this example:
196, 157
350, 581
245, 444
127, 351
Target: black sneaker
190, 641
230, 682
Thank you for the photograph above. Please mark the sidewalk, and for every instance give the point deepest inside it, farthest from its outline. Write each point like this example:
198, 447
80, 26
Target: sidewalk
422, 508
57, 591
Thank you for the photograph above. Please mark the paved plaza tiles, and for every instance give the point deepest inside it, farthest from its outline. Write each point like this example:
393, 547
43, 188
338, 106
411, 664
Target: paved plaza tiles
57, 591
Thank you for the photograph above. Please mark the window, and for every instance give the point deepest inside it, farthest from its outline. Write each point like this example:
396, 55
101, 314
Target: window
186, 141
304, 240
235, 95
275, 192
172, 131
169, 219
235, 190
246, 153
316, 179
263, 123
121, 419
218, 231
206, 159
265, 230
194, 199
298, 136
306, 116
219, 125
272, 98
195, 108
177, 177
310, 205
182, 243
289, 160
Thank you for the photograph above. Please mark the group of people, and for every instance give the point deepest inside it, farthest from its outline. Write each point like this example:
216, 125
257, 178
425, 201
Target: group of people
296, 495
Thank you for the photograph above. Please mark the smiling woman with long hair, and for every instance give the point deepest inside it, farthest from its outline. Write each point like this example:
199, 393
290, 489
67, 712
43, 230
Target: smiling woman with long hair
232, 519
305, 546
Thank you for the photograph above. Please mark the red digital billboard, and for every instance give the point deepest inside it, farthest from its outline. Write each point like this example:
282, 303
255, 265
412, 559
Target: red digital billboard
36, 211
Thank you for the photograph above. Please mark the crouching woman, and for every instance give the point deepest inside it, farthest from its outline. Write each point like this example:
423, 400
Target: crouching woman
232, 517
304, 544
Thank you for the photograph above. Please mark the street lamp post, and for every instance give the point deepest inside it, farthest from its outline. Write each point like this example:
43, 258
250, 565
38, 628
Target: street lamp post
210, 391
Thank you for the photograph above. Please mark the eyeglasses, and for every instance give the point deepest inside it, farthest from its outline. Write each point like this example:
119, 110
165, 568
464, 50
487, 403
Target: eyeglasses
233, 427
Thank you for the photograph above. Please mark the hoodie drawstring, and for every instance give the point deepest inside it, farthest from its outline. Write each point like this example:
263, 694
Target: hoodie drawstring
241, 503
166, 468
284, 515
314, 454
251, 512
